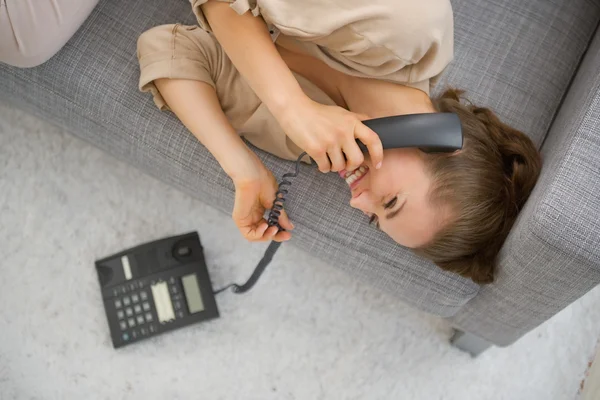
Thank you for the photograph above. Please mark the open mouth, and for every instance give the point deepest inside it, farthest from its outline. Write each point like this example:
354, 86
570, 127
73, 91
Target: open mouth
353, 177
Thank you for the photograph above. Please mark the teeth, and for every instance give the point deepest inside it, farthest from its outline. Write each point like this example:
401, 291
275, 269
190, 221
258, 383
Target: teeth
355, 175
362, 170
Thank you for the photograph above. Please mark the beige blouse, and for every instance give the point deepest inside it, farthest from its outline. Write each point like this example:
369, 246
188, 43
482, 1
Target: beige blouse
409, 42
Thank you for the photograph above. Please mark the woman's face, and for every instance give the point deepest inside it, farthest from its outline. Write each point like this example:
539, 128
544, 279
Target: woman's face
396, 196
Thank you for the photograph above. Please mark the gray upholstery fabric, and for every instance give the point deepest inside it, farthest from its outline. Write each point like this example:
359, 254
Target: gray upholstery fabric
516, 56
553, 256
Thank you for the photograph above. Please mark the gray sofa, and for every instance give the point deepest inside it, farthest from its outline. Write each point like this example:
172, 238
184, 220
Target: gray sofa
536, 63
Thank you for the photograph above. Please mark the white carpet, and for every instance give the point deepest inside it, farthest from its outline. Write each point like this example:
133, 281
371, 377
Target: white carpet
306, 331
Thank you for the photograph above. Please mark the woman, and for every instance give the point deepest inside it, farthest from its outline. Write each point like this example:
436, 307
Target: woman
300, 76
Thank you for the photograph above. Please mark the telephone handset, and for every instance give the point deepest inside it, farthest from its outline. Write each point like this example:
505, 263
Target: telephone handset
430, 132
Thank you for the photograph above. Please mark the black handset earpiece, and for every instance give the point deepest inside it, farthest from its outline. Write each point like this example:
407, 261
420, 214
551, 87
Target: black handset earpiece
430, 132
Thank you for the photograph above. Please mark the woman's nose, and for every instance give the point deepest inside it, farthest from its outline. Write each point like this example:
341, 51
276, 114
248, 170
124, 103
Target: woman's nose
362, 203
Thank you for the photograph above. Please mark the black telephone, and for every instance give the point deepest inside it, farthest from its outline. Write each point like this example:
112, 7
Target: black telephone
164, 285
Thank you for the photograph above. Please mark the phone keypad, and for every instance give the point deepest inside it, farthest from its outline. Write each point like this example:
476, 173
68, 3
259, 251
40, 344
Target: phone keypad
134, 311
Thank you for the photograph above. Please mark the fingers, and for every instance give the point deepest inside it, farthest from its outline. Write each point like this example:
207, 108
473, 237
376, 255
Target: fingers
338, 161
372, 141
284, 221
259, 233
254, 233
282, 236
264, 233
322, 160
354, 155
273, 232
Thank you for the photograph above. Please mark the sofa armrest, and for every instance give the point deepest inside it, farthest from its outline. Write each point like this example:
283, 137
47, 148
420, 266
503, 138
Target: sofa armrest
552, 256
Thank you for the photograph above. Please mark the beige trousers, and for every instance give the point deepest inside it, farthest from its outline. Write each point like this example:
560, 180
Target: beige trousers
365, 38
32, 31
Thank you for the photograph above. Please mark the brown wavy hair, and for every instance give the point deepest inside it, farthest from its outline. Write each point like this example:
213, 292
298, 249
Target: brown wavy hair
485, 185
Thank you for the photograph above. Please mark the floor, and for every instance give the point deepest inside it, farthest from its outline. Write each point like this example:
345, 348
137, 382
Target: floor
305, 332
591, 389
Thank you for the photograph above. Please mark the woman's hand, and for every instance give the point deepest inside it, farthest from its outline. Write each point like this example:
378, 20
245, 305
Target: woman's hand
328, 134
255, 190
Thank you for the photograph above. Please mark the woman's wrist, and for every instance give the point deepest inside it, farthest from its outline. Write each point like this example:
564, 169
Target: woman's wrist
241, 165
287, 108
233, 161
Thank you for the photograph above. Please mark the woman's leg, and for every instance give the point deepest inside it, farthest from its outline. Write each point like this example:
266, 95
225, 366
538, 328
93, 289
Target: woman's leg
32, 31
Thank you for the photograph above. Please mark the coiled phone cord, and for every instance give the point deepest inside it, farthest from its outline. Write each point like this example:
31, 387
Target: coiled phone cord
273, 220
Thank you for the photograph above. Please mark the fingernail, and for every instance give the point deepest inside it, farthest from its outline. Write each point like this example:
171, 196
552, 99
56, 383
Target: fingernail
378, 165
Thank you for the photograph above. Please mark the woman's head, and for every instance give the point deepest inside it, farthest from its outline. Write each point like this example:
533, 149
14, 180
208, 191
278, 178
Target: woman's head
396, 197
454, 208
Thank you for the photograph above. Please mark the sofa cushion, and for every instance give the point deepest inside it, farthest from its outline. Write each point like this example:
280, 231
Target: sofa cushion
518, 57
90, 88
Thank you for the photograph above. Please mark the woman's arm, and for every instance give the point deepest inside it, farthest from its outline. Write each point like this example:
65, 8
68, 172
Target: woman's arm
326, 133
197, 106
247, 42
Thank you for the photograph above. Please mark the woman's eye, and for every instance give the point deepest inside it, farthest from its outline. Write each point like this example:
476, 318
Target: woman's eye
391, 203
375, 219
